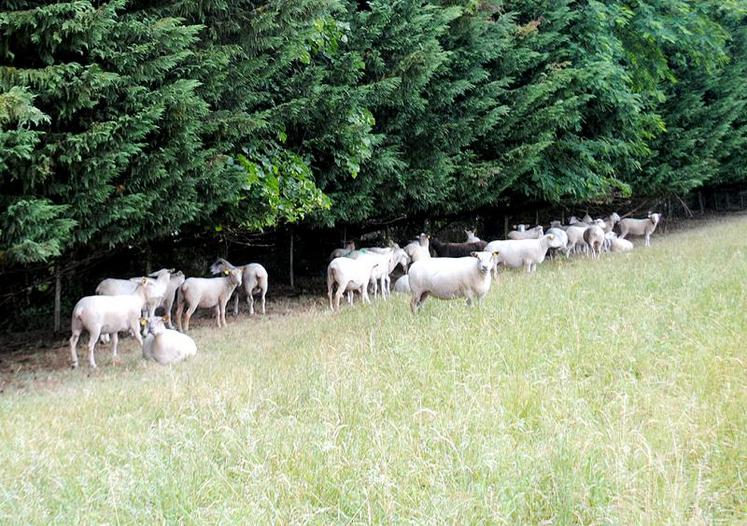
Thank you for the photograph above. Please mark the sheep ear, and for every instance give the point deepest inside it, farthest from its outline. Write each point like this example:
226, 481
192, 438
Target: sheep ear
144, 280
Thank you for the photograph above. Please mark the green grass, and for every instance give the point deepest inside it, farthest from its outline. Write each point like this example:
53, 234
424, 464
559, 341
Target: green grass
609, 392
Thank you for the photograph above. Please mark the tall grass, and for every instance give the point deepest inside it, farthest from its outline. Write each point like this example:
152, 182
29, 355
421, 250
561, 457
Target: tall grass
609, 392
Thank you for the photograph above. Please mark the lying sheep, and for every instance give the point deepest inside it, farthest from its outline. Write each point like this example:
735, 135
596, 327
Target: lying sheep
525, 253
207, 293
594, 239
615, 244
342, 252
640, 227
533, 233
347, 274
99, 315
455, 250
165, 346
402, 285
254, 279
471, 237
448, 278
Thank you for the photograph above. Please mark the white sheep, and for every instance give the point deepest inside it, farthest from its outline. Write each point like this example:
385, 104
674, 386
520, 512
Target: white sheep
402, 285
521, 227
254, 279
610, 222
207, 293
594, 239
471, 237
342, 252
99, 315
587, 219
176, 281
532, 233
349, 274
615, 244
525, 253
640, 227
419, 249
575, 234
114, 287
166, 346
448, 278
562, 238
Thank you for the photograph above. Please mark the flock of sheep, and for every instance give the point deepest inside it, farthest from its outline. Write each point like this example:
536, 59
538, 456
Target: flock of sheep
142, 306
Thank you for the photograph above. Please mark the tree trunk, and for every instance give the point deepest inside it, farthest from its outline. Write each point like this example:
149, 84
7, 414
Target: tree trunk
290, 261
701, 203
505, 227
57, 301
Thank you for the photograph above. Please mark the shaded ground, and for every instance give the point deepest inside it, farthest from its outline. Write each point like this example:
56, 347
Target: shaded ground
27, 358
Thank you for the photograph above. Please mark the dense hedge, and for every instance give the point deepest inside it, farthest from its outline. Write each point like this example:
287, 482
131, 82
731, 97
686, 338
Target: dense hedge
131, 121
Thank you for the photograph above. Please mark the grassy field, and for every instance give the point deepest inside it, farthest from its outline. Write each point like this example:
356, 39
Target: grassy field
609, 392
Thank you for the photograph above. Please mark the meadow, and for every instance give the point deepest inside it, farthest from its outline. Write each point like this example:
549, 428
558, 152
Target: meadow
592, 392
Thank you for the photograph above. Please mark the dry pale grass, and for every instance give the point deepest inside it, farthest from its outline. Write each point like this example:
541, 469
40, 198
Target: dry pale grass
609, 392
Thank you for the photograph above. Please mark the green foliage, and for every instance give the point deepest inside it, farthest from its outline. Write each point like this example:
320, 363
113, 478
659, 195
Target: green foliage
125, 121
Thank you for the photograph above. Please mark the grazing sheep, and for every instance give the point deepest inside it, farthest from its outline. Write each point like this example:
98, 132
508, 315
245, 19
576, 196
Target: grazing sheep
207, 293
594, 239
455, 250
254, 279
448, 278
349, 275
471, 237
166, 346
99, 315
342, 252
640, 227
528, 253
533, 233
402, 285
562, 238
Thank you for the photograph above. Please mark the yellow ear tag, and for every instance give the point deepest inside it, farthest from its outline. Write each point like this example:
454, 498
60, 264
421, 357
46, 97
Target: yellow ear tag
143, 322
226, 272
145, 280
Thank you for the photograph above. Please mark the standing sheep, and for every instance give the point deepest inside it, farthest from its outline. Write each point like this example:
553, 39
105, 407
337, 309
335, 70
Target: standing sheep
525, 253
533, 233
640, 227
594, 239
207, 293
99, 315
448, 278
455, 250
349, 275
254, 279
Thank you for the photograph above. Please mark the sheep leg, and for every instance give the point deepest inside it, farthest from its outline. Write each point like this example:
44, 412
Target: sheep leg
338, 297
264, 291
250, 301
648, 240
191, 310
364, 294
115, 342
179, 313
73, 347
93, 337
218, 316
236, 303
